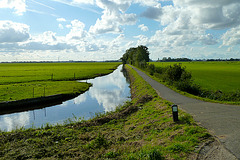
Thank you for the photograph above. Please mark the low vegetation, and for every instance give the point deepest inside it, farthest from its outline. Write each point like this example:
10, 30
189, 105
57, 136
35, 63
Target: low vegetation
180, 77
30, 80
140, 129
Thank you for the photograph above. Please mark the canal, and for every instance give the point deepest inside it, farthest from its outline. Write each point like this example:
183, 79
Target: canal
105, 95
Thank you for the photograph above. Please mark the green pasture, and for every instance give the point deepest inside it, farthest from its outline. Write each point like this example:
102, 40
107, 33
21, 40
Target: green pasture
224, 76
20, 91
30, 80
28, 72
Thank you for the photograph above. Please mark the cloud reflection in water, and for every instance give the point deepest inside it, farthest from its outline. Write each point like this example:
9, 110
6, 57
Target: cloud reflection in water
109, 91
17, 120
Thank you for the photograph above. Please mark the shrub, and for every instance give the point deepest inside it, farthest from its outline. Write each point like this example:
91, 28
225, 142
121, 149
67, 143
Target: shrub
151, 69
176, 73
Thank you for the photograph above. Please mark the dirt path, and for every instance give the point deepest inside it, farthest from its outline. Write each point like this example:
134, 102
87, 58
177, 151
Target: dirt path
221, 120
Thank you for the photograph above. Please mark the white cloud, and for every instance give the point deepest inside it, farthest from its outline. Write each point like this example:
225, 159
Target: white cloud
143, 27
142, 40
147, 2
208, 39
61, 19
11, 32
231, 37
214, 14
18, 120
47, 37
46, 41
113, 17
19, 6
60, 26
83, 2
204, 3
77, 30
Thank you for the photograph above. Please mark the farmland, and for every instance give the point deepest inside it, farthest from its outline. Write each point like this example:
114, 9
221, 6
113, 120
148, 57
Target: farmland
30, 80
224, 76
140, 129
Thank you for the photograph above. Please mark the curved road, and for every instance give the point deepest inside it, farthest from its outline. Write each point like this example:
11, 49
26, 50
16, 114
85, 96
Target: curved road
220, 119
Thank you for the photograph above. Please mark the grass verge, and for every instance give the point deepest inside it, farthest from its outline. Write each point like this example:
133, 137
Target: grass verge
140, 129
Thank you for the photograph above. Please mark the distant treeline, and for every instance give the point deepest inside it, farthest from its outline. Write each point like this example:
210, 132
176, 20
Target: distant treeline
169, 59
71, 61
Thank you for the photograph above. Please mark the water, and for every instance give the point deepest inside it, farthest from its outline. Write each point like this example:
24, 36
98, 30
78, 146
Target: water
105, 95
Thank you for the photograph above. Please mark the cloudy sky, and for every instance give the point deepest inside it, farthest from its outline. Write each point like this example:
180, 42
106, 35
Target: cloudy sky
46, 30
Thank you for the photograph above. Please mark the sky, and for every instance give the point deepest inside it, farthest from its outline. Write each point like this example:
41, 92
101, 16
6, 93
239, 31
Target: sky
96, 30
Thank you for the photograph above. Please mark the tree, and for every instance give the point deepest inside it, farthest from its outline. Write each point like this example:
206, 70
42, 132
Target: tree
136, 56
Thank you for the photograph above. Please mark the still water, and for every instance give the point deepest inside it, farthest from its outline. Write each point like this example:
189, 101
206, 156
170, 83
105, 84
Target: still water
105, 95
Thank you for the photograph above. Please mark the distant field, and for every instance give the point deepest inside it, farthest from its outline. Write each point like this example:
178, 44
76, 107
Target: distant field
224, 76
27, 72
30, 80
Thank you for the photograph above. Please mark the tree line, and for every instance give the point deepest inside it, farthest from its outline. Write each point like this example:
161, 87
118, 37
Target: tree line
169, 59
138, 56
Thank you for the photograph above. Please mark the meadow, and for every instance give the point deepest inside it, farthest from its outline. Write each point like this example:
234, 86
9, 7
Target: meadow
30, 80
140, 129
223, 76
28, 72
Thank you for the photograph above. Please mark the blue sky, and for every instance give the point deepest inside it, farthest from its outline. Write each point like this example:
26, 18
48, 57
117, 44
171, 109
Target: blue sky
37, 30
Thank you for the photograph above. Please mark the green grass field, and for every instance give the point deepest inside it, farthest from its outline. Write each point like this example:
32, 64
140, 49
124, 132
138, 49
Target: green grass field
28, 72
224, 76
141, 129
30, 80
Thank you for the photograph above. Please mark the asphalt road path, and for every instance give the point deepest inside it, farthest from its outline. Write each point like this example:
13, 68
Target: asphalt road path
221, 120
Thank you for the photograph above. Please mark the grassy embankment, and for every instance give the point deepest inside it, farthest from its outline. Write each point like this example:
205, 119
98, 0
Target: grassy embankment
217, 78
30, 80
140, 129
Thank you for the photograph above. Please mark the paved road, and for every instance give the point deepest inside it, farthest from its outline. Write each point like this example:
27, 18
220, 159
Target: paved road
220, 119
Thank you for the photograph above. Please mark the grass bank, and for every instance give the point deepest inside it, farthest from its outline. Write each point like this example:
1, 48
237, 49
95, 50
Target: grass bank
31, 80
140, 129
21, 91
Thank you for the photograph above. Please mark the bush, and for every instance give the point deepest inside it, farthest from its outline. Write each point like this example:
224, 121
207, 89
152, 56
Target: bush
176, 73
151, 69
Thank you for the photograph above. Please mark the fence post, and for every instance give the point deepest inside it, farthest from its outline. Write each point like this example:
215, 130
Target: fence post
33, 92
44, 92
